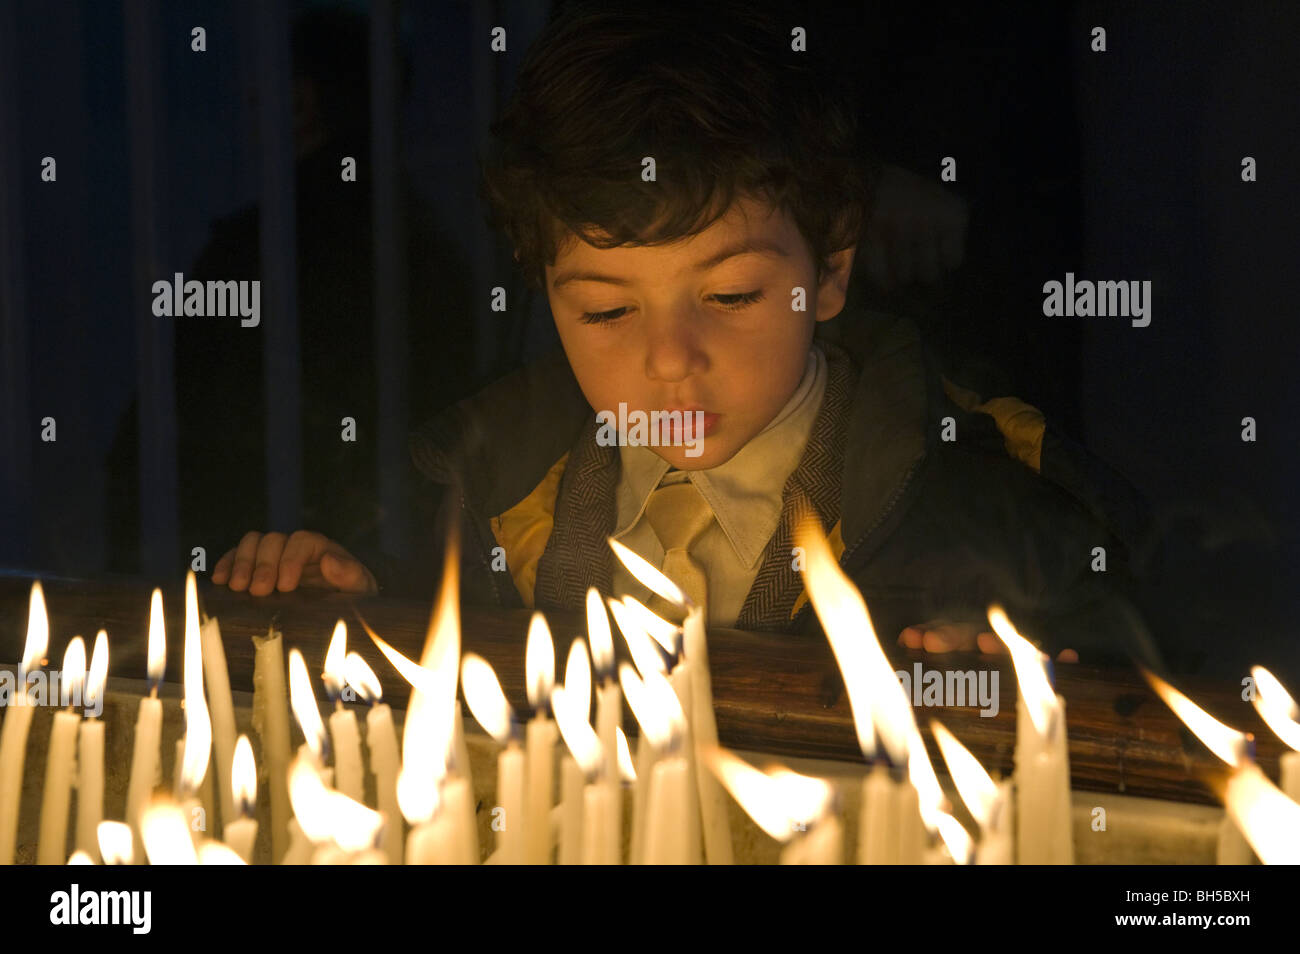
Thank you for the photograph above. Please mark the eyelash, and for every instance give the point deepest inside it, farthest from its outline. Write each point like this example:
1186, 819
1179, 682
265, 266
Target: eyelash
740, 301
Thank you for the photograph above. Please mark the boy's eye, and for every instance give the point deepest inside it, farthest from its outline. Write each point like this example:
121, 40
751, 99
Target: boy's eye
730, 302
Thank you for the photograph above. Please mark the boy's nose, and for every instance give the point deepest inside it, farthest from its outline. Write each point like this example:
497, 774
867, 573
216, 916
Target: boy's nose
673, 351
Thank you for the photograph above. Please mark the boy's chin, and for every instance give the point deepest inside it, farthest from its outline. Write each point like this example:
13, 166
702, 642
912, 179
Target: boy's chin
707, 455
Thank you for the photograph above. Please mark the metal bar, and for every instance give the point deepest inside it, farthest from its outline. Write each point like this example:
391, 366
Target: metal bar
390, 291
278, 238
155, 338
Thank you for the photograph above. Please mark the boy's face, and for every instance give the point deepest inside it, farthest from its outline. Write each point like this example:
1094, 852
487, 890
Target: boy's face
682, 328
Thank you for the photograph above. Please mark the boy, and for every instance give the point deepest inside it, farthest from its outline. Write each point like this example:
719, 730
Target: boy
690, 195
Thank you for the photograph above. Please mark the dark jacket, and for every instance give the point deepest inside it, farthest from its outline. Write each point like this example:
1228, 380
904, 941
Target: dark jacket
938, 503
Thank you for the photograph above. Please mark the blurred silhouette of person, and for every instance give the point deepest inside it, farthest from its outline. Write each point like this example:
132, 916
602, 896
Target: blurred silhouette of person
219, 384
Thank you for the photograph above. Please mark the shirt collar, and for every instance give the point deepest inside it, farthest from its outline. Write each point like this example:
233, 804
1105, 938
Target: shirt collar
745, 493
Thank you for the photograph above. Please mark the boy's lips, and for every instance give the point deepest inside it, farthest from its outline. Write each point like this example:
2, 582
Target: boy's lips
708, 421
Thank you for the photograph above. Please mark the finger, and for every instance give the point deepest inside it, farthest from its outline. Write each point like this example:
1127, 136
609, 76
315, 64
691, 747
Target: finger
244, 554
302, 549
344, 571
950, 637
912, 637
1067, 656
990, 644
221, 571
268, 564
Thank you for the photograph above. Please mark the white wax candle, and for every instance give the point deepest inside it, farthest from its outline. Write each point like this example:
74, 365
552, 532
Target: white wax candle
462, 796
995, 846
191, 803
645, 762
912, 837
825, 842
381, 738
511, 767
300, 848
1232, 847
601, 843
458, 800
795, 851
667, 833
241, 835
146, 767
541, 739
443, 840
878, 826
60, 762
681, 680
1290, 780
609, 719
714, 816
90, 786
271, 722
347, 754
222, 712
572, 805
1044, 831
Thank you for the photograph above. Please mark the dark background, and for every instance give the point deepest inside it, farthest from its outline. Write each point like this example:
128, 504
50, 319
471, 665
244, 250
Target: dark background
1123, 165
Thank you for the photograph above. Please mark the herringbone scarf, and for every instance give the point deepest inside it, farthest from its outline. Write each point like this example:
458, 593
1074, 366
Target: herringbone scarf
577, 555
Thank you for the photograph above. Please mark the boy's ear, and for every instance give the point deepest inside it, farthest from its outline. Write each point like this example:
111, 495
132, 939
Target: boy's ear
834, 285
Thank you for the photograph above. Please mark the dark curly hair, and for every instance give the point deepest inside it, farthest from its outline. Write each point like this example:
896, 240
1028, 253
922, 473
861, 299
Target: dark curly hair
713, 92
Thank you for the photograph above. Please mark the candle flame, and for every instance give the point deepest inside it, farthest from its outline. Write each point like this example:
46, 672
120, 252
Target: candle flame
335, 655
303, 702
324, 813
652, 721
626, 768
753, 791
977, 789
598, 633
666, 634
79, 857
487, 703
661, 697
577, 677
157, 638
539, 662
38, 634
74, 671
577, 732
1276, 707
647, 575
116, 844
416, 675
243, 776
1031, 675
424, 759
198, 723
166, 835
804, 798
98, 671
638, 641
358, 674
216, 853
1225, 742
1269, 820
876, 699
956, 839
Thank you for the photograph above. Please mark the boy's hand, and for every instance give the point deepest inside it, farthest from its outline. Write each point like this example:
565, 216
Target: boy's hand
944, 636
274, 561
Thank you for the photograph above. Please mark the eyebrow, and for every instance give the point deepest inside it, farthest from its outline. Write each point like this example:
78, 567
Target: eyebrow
743, 247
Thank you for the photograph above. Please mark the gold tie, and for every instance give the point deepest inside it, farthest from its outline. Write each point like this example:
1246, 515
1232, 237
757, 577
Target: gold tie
679, 515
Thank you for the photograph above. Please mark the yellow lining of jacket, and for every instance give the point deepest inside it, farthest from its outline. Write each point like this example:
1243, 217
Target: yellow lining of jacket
524, 529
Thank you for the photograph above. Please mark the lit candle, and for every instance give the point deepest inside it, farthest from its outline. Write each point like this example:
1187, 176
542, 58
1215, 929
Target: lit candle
197, 742
1280, 712
343, 722
989, 802
146, 757
115, 842
1044, 830
577, 689
808, 804
324, 815
596, 843
488, 705
303, 702
426, 742
90, 753
1236, 749
609, 711
668, 832
240, 833
704, 727
17, 723
878, 825
223, 722
165, 833
539, 666
271, 722
381, 739
57, 798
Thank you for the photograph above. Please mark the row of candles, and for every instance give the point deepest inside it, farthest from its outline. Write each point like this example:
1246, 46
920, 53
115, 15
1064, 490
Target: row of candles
318, 805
